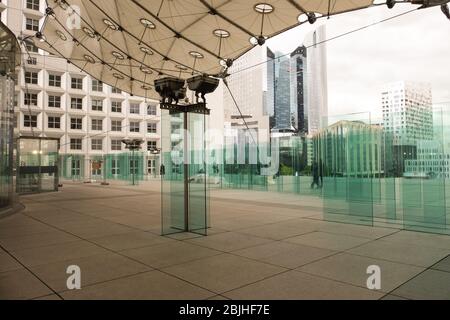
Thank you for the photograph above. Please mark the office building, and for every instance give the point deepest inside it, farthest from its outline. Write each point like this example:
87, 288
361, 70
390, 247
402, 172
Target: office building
407, 118
298, 90
350, 149
316, 99
55, 99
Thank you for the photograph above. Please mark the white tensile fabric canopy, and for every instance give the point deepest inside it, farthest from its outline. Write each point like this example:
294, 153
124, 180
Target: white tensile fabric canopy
130, 43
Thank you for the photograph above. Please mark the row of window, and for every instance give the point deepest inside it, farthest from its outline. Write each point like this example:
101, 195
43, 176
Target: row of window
97, 144
31, 99
115, 167
54, 80
54, 122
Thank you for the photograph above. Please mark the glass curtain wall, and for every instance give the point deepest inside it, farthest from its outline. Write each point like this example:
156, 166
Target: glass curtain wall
185, 173
10, 57
37, 165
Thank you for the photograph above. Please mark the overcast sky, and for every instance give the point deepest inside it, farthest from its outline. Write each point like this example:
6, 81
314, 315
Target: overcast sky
414, 47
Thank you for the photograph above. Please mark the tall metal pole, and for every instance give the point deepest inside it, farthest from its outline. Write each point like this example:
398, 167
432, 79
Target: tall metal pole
133, 163
186, 174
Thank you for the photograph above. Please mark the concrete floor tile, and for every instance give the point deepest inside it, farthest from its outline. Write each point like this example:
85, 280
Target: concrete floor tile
331, 241
131, 240
352, 269
443, 265
18, 230
8, 263
153, 285
284, 254
101, 230
52, 297
223, 272
430, 285
279, 231
392, 297
20, 285
294, 285
401, 252
229, 241
116, 217
356, 230
137, 221
55, 253
184, 236
94, 269
37, 240
168, 254
420, 239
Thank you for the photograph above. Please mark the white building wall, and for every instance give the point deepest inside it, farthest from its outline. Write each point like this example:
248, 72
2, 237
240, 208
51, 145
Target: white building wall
248, 86
14, 14
408, 111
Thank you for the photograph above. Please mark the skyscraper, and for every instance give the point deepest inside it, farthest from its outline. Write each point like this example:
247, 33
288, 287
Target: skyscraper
317, 80
298, 90
407, 119
408, 111
249, 85
283, 115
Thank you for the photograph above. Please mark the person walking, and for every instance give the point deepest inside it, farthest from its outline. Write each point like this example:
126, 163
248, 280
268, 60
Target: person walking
162, 170
315, 174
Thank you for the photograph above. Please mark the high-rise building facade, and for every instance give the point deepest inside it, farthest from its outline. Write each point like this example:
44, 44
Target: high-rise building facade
248, 83
298, 90
316, 100
408, 111
283, 114
407, 119
55, 99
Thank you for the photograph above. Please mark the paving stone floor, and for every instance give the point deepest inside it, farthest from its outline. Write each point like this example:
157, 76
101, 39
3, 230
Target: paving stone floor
261, 246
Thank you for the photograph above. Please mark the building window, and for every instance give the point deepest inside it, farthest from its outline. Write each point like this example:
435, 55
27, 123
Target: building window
151, 110
33, 4
76, 144
30, 99
31, 77
29, 121
76, 103
115, 90
116, 106
32, 61
97, 144
32, 24
116, 145
134, 166
54, 122
135, 108
135, 127
54, 80
97, 105
151, 127
76, 124
97, 85
116, 125
115, 166
151, 145
30, 47
97, 125
77, 83
54, 101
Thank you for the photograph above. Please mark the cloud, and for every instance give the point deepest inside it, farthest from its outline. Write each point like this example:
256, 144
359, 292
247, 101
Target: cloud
413, 47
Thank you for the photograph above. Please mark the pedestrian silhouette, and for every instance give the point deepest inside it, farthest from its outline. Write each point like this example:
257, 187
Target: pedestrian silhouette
316, 175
